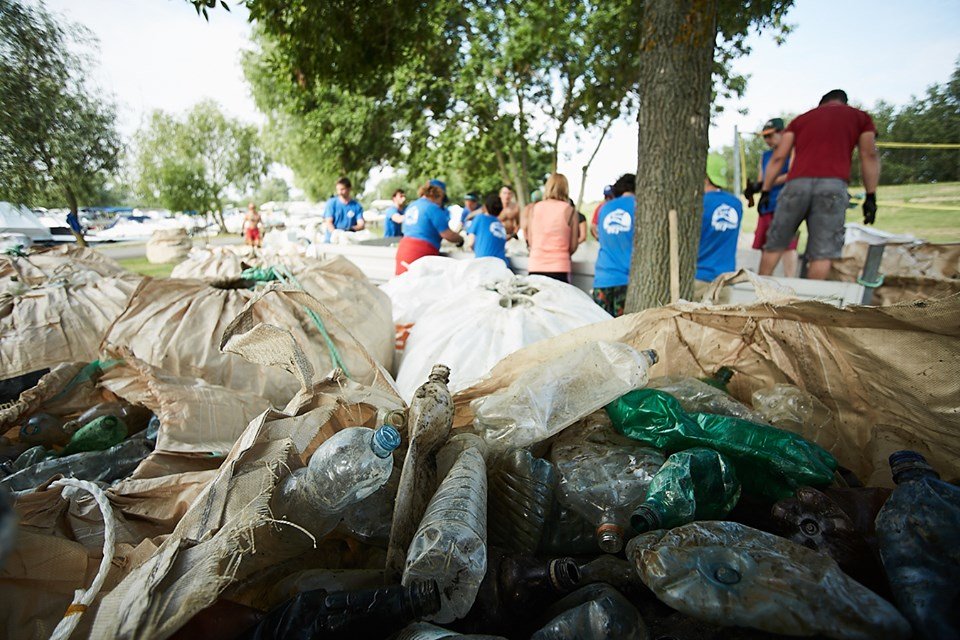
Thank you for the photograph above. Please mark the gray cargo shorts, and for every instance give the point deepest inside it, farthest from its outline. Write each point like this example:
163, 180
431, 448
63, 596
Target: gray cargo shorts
822, 202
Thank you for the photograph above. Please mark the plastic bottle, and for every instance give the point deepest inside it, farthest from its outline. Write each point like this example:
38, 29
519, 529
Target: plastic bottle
597, 612
696, 484
45, 430
371, 613
369, 519
919, 535
521, 496
720, 379
427, 631
115, 463
605, 484
451, 544
30, 457
770, 462
134, 417
349, 466
729, 574
696, 396
430, 419
547, 399
97, 435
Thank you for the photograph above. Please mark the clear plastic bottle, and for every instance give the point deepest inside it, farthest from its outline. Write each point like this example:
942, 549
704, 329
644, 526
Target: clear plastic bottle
369, 519
605, 485
457, 443
349, 466
522, 491
597, 612
451, 544
115, 463
919, 534
550, 398
697, 396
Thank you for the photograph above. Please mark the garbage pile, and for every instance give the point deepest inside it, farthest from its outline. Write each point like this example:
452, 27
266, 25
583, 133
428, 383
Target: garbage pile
237, 462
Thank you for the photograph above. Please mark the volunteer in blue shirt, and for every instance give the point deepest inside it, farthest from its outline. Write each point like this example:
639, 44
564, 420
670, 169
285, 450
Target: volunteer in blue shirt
486, 233
425, 224
471, 207
392, 227
615, 233
343, 212
719, 228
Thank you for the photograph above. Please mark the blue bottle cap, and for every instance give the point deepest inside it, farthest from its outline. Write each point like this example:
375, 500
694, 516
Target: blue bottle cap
385, 440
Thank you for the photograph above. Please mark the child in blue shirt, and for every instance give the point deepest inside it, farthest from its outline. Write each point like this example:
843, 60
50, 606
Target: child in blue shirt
486, 233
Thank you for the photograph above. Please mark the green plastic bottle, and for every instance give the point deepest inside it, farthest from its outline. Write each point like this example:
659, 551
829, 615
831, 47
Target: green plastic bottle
720, 379
97, 435
696, 484
771, 463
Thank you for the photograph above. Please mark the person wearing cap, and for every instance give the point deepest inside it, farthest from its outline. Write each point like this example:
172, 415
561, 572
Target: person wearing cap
486, 235
510, 216
816, 188
425, 224
615, 225
471, 207
342, 211
771, 132
393, 228
719, 228
607, 197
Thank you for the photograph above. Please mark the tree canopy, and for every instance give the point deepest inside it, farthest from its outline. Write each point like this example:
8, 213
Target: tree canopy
57, 137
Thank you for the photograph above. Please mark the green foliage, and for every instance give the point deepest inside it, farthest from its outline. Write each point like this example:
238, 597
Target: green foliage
192, 163
272, 190
56, 135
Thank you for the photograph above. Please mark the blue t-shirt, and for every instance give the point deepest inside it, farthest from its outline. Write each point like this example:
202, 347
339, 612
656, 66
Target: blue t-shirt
774, 192
391, 229
720, 228
490, 238
424, 220
345, 216
615, 230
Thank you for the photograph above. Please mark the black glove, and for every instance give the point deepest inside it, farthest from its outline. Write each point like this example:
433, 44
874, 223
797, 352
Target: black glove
870, 208
752, 188
764, 200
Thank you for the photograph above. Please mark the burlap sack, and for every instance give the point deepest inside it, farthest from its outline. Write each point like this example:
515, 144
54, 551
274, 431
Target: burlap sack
69, 263
59, 322
168, 245
889, 374
177, 326
215, 263
911, 271
227, 538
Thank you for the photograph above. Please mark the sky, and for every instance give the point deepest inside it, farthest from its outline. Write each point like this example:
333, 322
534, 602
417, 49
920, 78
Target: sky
158, 54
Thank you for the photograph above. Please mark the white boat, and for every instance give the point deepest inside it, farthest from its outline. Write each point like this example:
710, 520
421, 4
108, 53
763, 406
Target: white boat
18, 223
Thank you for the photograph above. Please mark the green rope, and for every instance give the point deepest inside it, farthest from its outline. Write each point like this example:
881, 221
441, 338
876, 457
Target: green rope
872, 285
16, 251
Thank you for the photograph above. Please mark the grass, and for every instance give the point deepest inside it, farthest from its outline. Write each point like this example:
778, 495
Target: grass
143, 267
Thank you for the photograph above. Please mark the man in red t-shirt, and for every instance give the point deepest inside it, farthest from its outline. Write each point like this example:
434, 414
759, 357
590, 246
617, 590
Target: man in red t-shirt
816, 188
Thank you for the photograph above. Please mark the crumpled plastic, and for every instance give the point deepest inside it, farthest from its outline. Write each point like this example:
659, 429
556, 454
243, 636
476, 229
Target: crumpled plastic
696, 396
729, 574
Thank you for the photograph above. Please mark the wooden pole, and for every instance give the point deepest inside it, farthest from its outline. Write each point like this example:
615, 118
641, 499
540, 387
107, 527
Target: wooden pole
674, 256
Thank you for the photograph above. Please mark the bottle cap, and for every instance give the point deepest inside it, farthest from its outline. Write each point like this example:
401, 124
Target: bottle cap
385, 440
723, 374
564, 574
651, 356
903, 462
644, 519
610, 538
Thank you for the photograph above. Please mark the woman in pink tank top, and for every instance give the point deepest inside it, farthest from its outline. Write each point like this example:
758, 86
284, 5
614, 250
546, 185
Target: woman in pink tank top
551, 231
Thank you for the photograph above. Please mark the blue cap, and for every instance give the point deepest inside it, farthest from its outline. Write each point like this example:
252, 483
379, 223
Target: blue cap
385, 440
608, 190
439, 183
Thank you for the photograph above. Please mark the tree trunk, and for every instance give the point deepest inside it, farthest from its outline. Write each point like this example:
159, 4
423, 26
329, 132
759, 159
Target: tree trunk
676, 62
218, 216
72, 203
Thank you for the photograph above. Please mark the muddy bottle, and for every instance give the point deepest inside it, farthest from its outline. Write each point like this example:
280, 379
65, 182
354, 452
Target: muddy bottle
594, 612
720, 379
45, 430
521, 497
514, 586
696, 484
134, 417
919, 534
547, 399
430, 419
458, 442
451, 544
371, 613
99, 434
605, 485
346, 468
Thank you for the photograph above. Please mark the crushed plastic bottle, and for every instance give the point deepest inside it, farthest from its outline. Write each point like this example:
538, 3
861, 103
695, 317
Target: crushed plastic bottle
521, 496
611, 570
594, 612
30, 457
696, 396
427, 631
451, 544
548, 399
135, 417
348, 614
770, 462
605, 485
430, 419
729, 574
793, 409
99, 434
696, 484
566, 532
45, 430
919, 534
347, 467
115, 463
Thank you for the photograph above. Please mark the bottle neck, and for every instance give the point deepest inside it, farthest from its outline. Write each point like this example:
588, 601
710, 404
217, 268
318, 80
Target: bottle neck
645, 518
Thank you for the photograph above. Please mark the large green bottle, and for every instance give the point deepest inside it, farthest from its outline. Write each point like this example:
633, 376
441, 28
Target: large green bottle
771, 463
97, 435
696, 484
